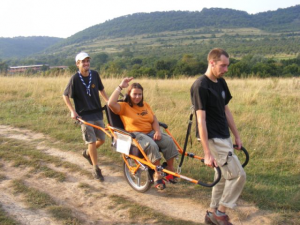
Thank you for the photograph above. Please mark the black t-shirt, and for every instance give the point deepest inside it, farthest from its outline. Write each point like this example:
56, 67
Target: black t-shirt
212, 97
88, 107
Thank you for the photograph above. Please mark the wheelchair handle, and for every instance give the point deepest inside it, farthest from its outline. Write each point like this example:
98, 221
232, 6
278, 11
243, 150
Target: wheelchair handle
218, 170
92, 125
246, 154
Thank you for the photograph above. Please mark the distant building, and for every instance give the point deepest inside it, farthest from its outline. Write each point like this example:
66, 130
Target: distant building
58, 67
21, 69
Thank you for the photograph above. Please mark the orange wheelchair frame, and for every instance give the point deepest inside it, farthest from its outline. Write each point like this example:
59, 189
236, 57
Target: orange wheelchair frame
138, 169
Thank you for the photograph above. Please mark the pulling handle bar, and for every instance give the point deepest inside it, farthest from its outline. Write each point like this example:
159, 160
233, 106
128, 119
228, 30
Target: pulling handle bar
246, 154
218, 170
92, 125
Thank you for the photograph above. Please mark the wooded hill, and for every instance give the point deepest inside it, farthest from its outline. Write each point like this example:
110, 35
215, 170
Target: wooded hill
24, 46
281, 20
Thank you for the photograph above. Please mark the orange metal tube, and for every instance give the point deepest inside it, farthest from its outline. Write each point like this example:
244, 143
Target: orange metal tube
92, 125
179, 148
145, 160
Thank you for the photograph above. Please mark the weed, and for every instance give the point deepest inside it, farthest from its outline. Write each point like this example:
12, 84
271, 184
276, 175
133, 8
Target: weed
40, 200
2, 177
64, 214
138, 212
6, 219
34, 198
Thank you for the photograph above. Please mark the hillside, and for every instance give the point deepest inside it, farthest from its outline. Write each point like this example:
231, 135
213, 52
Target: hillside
166, 44
148, 23
24, 46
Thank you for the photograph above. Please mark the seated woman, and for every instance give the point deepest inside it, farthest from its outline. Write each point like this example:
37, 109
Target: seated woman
139, 119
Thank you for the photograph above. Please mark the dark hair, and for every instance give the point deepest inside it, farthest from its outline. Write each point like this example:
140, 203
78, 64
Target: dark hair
127, 96
216, 53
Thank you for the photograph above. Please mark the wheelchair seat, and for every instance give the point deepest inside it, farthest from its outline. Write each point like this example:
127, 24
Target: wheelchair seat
114, 120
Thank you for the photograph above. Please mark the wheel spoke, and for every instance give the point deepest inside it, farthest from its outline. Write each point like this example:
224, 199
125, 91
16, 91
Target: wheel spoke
140, 181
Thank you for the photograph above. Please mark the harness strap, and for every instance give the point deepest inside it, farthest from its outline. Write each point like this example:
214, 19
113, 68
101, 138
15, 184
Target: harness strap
186, 137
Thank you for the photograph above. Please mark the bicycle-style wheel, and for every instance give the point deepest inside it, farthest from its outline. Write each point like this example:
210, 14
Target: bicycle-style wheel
140, 181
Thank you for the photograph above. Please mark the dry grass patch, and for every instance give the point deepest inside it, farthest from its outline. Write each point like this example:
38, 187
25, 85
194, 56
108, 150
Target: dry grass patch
5, 219
266, 112
40, 200
143, 214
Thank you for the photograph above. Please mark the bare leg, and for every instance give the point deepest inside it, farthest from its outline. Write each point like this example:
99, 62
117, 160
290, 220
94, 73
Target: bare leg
170, 166
92, 150
213, 210
222, 208
157, 174
99, 143
157, 163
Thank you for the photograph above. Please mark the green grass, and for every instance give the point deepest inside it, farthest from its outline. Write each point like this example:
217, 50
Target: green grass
40, 200
143, 213
266, 112
34, 198
5, 219
28, 156
64, 214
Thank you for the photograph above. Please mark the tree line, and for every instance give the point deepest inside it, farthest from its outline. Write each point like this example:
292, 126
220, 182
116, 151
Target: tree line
191, 65
251, 65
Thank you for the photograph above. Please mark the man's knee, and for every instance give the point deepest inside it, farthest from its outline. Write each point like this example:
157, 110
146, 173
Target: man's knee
99, 143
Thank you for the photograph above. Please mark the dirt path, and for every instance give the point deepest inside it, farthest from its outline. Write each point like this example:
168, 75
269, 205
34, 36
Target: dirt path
96, 207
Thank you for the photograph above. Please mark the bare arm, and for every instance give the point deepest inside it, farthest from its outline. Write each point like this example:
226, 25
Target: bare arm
232, 127
113, 99
104, 95
74, 114
202, 129
156, 128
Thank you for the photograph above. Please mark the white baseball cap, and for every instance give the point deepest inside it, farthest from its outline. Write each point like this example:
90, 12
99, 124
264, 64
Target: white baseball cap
81, 56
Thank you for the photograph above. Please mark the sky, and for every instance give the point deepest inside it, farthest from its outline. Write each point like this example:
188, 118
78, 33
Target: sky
63, 18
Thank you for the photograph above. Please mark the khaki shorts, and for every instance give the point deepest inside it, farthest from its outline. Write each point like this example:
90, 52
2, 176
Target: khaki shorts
153, 148
91, 134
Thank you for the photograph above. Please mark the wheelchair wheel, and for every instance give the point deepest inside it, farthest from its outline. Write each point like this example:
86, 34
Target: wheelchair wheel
140, 181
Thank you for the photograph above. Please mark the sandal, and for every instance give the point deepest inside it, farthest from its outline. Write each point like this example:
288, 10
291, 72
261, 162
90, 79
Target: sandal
172, 179
160, 184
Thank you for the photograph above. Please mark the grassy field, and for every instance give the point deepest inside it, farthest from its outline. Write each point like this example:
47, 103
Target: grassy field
266, 112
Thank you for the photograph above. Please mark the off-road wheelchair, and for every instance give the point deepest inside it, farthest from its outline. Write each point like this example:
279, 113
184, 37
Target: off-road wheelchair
138, 169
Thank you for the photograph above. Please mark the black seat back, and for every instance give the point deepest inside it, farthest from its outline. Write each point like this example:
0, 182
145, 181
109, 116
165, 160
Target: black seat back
113, 119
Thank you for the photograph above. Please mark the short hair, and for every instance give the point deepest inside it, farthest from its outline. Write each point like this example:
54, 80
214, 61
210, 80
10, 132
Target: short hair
216, 53
127, 97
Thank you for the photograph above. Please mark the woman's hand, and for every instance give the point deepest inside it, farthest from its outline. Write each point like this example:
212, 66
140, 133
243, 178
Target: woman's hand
125, 82
113, 99
157, 136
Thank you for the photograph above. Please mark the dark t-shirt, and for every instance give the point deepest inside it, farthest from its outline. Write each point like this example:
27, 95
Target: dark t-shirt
86, 106
212, 97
